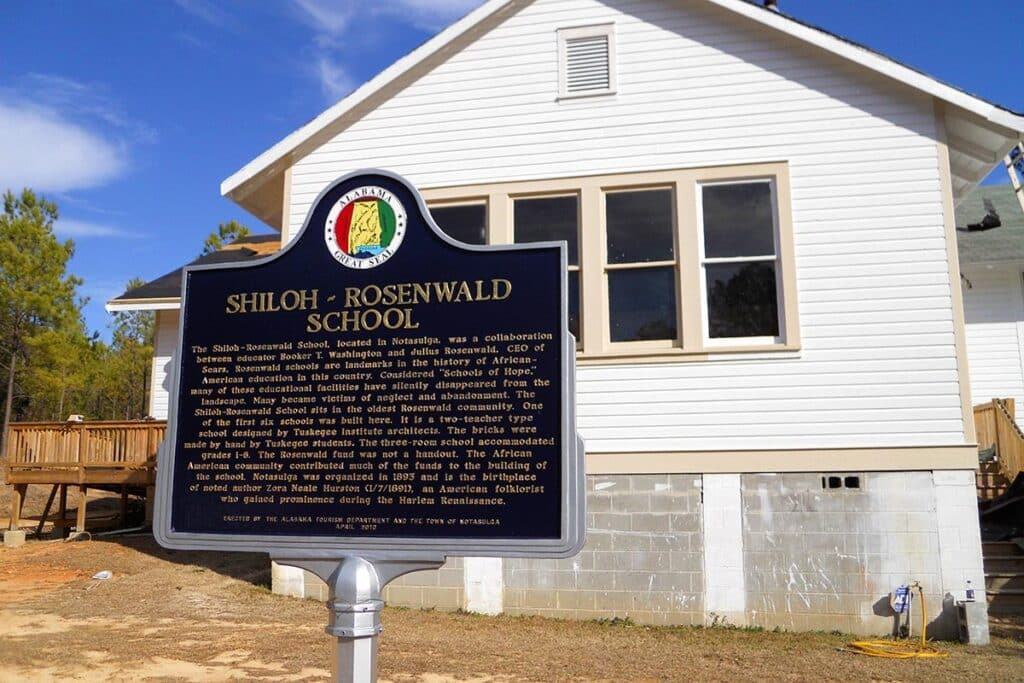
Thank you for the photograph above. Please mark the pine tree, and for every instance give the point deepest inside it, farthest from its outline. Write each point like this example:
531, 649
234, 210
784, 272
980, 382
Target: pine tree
226, 234
36, 291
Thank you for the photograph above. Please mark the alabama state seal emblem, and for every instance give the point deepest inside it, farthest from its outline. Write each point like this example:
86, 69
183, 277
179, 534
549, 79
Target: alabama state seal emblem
365, 227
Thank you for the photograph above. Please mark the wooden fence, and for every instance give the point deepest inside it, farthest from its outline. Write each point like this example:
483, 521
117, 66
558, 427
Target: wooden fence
995, 427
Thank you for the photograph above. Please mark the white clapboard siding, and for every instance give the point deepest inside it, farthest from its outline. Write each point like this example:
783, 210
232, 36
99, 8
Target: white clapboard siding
164, 348
699, 87
994, 310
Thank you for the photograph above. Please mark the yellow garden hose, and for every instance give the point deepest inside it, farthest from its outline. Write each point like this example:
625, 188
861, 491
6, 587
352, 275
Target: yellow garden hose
901, 649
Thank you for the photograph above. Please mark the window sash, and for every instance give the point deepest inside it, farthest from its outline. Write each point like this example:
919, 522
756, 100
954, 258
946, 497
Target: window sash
713, 342
608, 268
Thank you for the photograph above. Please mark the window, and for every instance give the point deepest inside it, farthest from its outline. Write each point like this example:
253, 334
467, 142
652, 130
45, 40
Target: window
464, 222
739, 261
586, 61
550, 219
639, 231
666, 264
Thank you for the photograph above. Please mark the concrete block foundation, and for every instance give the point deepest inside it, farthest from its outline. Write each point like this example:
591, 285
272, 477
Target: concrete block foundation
779, 550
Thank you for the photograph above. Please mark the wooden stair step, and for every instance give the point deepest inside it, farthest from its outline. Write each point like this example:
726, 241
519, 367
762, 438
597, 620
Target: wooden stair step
1007, 602
1001, 549
1004, 564
1004, 581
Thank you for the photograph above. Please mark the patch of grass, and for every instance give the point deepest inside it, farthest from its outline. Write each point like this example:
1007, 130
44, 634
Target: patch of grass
719, 621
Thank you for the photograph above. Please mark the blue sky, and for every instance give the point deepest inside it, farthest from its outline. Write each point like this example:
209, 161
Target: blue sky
130, 113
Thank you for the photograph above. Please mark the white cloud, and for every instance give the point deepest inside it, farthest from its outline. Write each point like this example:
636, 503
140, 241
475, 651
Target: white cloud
333, 17
47, 152
325, 17
60, 135
431, 15
209, 13
69, 227
334, 80
330, 21
82, 102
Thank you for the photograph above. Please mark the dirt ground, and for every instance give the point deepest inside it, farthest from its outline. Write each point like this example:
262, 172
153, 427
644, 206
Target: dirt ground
185, 616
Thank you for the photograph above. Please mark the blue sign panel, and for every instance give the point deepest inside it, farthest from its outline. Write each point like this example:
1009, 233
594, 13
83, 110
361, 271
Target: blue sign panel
375, 385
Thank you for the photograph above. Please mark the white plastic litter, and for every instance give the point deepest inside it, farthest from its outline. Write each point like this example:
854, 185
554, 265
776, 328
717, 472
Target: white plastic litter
103, 575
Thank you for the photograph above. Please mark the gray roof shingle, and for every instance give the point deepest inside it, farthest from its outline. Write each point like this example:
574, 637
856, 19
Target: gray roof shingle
1005, 243
168, 286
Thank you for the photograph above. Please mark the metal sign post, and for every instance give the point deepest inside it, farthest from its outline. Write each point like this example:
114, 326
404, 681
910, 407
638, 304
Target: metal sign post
354, 603
372, 399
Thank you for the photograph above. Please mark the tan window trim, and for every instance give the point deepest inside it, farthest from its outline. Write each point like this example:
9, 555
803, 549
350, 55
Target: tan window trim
690, 344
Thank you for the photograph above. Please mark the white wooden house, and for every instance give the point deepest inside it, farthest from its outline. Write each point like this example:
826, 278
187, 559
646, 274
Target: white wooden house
772, 379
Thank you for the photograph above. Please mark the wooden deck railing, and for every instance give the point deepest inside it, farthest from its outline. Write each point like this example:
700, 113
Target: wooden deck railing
108, 455
995, 427
84, 445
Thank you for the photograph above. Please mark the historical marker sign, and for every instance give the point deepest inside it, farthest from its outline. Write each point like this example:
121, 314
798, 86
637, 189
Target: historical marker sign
376, 386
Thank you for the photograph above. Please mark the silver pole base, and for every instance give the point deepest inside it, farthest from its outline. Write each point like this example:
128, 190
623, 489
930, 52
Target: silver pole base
354, 605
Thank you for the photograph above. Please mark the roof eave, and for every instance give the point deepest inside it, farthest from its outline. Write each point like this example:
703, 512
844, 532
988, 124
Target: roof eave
124, 305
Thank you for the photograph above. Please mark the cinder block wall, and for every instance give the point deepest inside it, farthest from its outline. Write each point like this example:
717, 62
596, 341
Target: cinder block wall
826, 559
442, 589
771, 550
643, 558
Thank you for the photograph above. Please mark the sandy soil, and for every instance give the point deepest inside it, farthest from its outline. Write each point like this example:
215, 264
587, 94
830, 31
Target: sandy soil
183, 616
187, 616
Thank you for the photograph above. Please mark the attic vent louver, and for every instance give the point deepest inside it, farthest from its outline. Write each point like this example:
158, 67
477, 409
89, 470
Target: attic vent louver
586, 64
586, 61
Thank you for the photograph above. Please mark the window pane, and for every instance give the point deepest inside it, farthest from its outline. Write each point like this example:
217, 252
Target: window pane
642, 304
738, 220
639, 226
742, 300
467, 223
548, 219
574, 303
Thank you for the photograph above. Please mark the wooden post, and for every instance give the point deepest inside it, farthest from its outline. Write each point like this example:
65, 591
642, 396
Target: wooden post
998, 425
83, 501
63, 510
17, 503
124, 506
81, 464
150, 501
46, 511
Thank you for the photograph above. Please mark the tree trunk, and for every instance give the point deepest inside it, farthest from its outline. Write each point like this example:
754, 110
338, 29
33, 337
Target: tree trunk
145, 393
7, 405
60, 402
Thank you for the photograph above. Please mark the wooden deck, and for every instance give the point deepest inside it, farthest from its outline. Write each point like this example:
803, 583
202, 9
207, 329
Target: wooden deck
115, 456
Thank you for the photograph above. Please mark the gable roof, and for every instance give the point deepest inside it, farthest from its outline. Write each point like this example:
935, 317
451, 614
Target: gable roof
978, 133
1002, 244
165, 291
